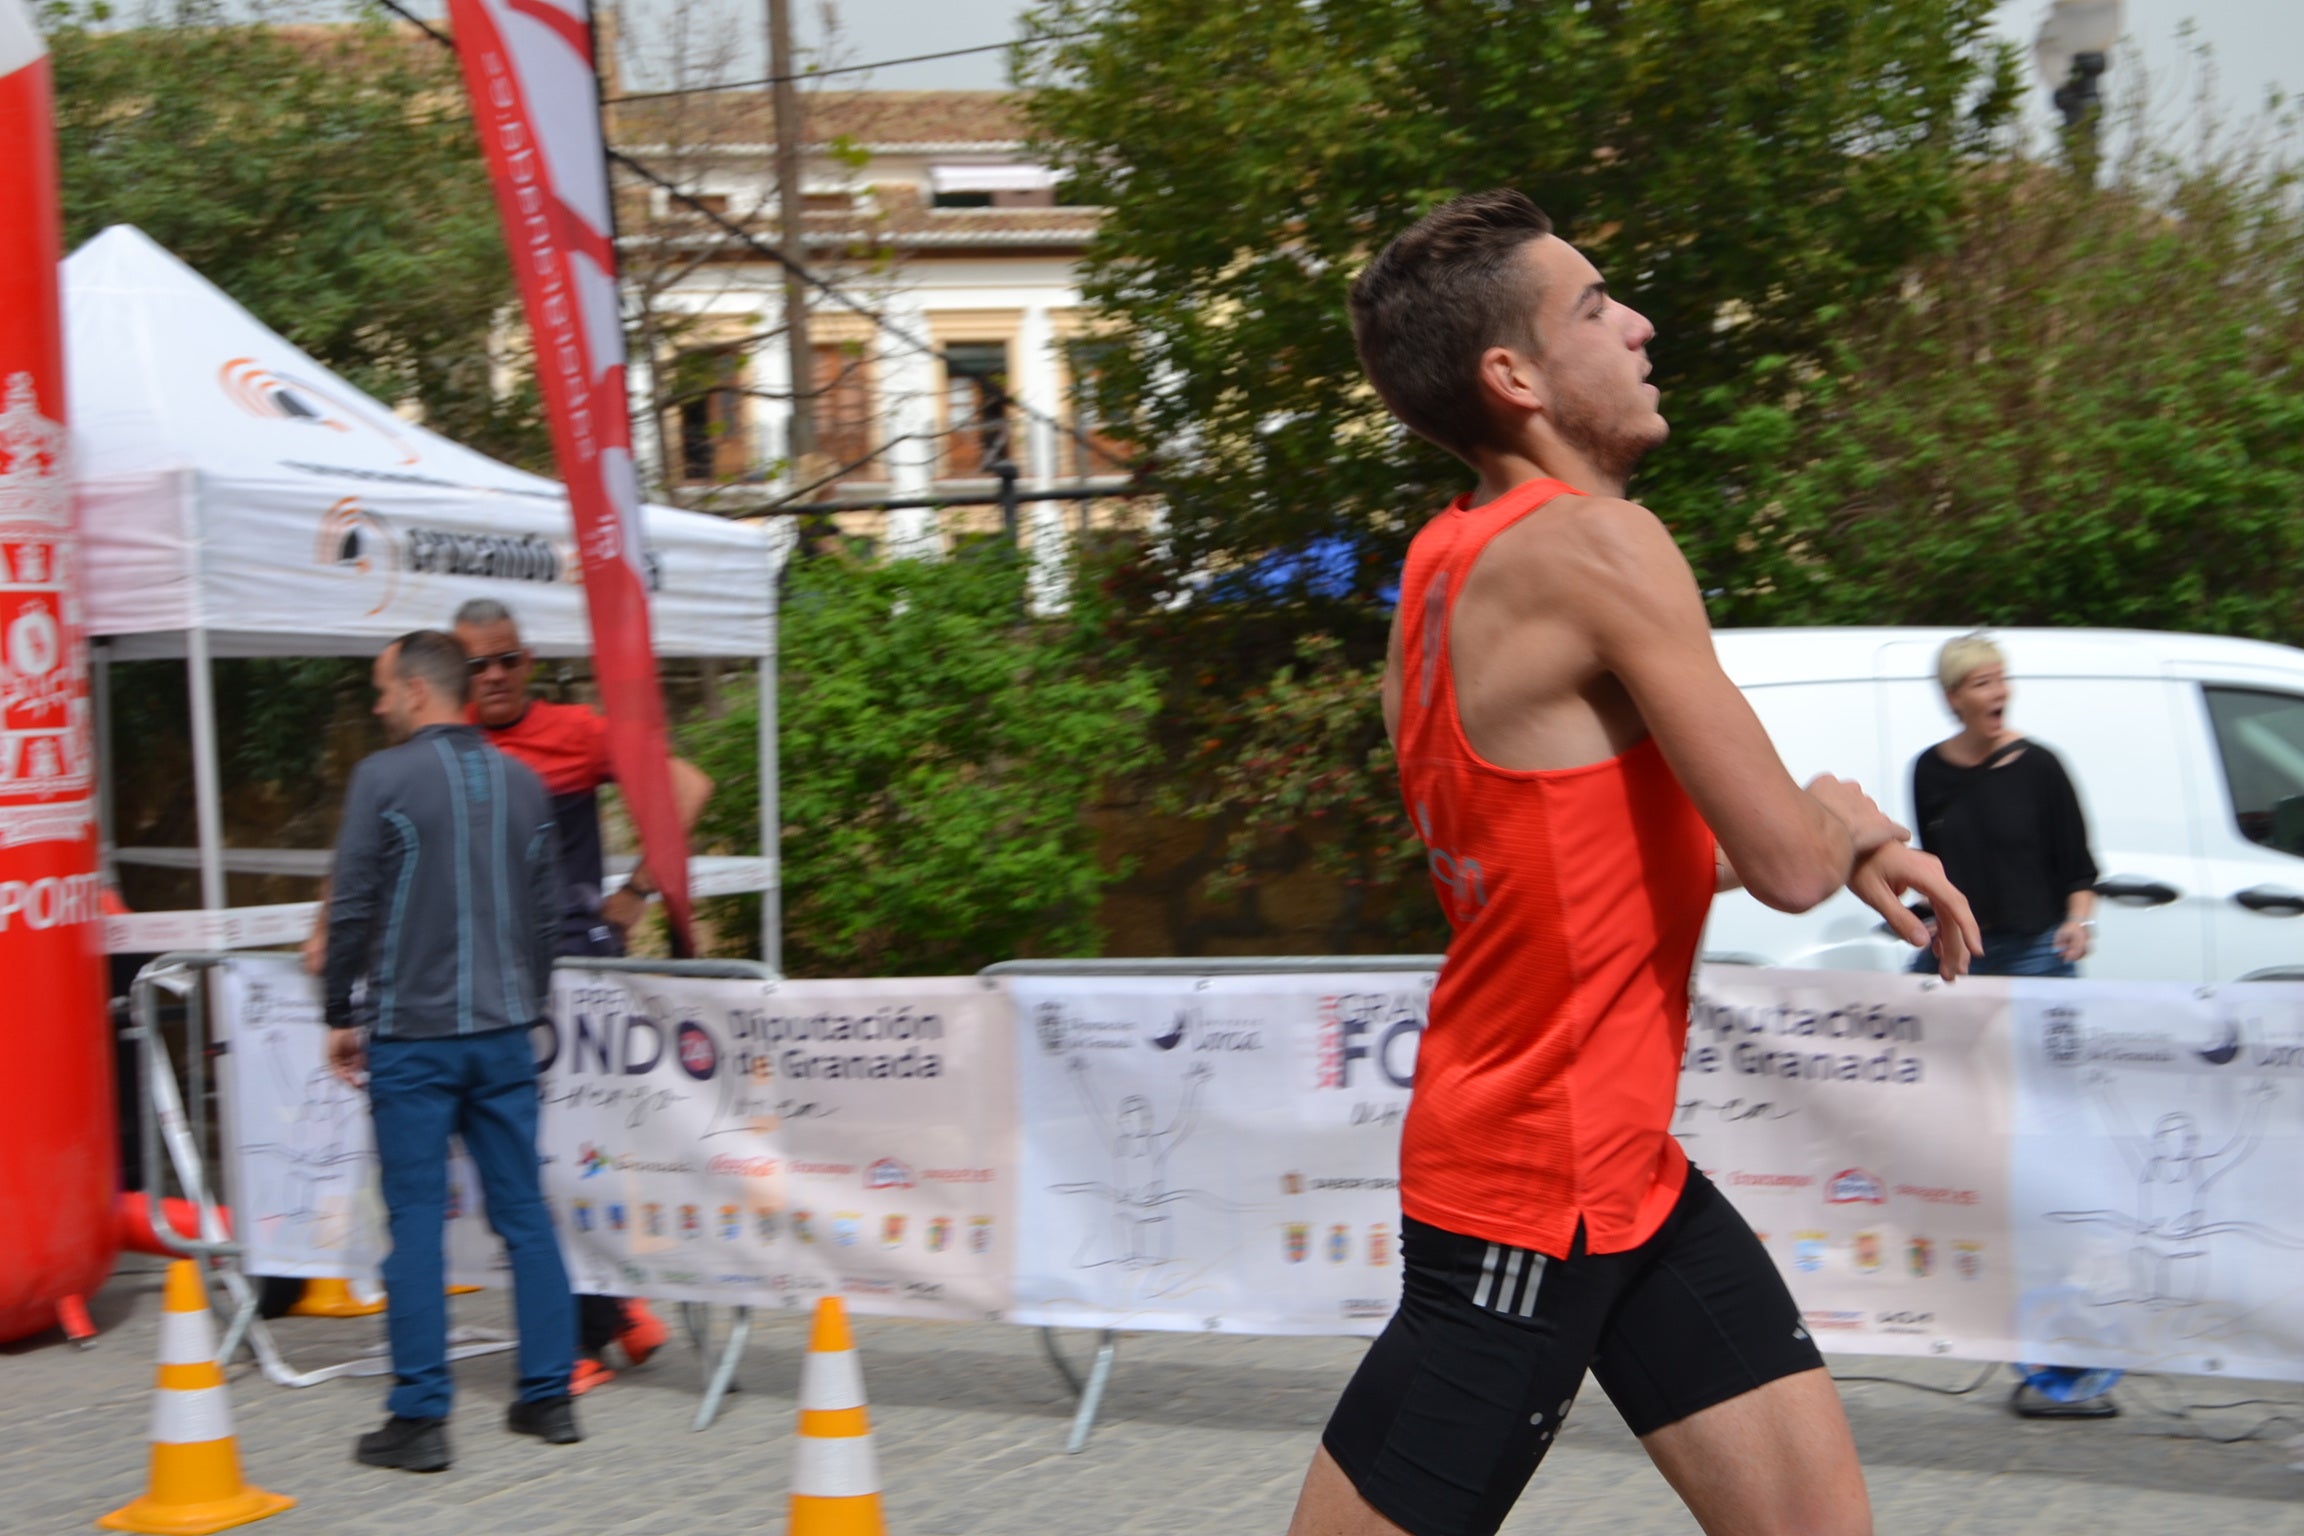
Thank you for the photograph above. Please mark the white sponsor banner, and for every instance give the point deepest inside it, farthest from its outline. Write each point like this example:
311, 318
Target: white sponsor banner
2155, 1152
1859, 1122
703, 1140
768, 1143
299, 1149
2067, 1172
1216, 1153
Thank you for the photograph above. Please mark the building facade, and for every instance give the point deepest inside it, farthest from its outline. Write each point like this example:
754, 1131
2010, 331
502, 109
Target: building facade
954, 335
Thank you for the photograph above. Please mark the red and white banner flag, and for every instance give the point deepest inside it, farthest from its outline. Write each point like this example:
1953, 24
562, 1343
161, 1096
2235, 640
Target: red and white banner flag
56, 1114
528, 65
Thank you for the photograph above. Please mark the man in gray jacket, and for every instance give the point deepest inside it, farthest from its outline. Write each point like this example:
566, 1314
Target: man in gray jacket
446, 902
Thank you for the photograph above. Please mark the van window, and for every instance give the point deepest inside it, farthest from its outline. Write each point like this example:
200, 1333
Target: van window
2261, 738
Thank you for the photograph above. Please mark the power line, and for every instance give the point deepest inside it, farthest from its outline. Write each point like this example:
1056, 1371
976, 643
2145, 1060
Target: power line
1001, 397
842, 69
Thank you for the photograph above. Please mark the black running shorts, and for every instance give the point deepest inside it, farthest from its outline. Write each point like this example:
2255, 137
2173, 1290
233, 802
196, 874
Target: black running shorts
1459, 1398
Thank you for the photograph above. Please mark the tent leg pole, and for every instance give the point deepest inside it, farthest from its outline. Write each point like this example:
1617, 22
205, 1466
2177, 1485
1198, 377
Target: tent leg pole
207, 794
771, 821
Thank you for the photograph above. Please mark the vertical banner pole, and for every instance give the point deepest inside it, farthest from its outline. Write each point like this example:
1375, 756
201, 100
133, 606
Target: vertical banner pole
57, 1146
529, 69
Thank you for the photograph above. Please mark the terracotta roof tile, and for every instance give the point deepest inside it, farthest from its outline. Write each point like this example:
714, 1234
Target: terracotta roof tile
871, 119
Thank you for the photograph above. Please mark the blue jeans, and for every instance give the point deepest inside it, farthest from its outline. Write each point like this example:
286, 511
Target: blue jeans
483, 1088
2010, 954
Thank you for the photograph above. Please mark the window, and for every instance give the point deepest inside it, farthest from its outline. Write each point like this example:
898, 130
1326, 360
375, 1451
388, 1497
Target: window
960, 200
843, 406
975, 407
2261, 739
1090, 448
709, 387
701, 203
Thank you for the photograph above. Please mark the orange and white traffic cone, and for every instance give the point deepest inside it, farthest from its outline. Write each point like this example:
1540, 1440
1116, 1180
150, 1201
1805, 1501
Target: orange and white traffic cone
195, 1484
835, 1483
334, 1298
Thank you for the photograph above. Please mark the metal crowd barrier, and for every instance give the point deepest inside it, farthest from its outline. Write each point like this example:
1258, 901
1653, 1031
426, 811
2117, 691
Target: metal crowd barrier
177, 1118
164, 1117
696, 1316
1089, 1392
164, 1120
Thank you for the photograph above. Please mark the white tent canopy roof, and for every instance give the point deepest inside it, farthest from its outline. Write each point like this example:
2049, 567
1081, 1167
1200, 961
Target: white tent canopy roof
230, 483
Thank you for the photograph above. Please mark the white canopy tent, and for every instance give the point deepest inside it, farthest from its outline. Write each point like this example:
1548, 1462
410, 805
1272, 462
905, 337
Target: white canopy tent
238, 499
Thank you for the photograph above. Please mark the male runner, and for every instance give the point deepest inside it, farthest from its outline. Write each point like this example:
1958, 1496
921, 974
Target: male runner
1583, 776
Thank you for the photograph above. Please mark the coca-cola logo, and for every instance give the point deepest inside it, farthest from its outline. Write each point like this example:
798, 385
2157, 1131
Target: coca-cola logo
699, 1053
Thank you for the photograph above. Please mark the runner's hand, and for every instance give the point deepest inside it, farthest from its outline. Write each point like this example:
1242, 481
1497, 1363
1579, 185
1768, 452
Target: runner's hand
347, 1057
1887, 873
1868, 826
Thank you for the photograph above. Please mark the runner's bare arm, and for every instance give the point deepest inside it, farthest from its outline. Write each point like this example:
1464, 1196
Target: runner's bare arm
1637, 600
1790, 848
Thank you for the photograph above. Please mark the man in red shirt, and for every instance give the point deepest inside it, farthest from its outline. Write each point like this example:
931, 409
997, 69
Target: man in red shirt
567, 746
1583, 776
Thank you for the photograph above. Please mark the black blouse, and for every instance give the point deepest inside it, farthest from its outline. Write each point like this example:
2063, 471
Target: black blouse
2012, 837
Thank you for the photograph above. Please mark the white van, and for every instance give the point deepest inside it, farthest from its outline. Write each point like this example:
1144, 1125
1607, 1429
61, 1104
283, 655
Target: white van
2188, 752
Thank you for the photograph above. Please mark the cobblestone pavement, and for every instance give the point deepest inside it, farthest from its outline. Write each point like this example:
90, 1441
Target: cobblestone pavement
1199, 1434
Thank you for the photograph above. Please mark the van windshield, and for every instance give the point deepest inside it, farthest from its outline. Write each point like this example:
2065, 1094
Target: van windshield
2261, 738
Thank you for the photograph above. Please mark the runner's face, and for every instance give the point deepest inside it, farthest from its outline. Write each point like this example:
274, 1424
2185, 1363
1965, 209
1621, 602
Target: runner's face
393, 705
499, 693
1595, 361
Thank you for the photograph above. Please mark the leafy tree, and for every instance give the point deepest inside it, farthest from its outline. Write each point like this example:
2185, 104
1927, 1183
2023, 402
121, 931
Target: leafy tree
326, 177
2085, 411
1743, 174
1299, 769
938, 751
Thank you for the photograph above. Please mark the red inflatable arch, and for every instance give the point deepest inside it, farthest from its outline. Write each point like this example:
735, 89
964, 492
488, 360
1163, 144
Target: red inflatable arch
57, 1144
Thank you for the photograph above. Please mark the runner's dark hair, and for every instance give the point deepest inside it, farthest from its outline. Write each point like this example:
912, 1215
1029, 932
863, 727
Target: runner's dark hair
436, 658
1444, 291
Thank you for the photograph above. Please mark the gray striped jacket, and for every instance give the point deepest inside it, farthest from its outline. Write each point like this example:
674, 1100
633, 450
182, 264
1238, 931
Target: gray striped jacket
446, 891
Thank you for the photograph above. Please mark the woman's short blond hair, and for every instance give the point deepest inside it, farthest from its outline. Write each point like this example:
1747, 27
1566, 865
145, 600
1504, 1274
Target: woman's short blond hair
1963, 656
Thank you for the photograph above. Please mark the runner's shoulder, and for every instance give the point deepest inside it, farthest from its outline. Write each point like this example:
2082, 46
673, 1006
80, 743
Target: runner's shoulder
1588, 538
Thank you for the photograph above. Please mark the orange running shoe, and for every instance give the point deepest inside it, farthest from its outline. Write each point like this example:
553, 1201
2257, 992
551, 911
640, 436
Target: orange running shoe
589, 1373
644, 1332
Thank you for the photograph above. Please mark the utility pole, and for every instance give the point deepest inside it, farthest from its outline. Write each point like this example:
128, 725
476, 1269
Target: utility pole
801, 442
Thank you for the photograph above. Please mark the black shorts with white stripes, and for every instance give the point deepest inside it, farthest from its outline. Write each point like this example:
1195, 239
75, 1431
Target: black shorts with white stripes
1459, 1398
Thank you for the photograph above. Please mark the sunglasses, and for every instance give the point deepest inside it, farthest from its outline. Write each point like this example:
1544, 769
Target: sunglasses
510, 661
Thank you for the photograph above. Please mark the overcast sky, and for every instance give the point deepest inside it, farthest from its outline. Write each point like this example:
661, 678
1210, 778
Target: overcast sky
2258, 44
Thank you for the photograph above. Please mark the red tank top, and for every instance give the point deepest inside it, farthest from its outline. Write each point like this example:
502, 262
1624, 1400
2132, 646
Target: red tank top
1546, 1077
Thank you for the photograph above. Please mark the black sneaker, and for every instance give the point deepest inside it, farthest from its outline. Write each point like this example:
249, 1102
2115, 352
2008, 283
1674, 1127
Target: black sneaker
550, 1419
2032, 1403
412, 1445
